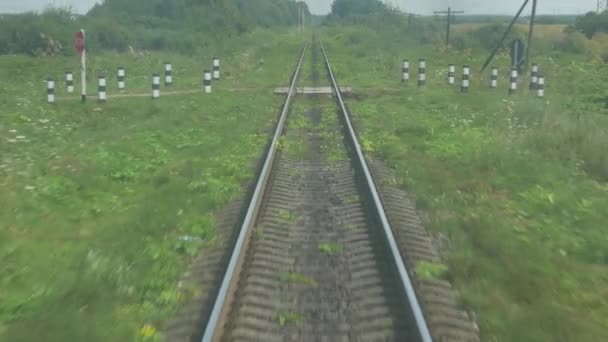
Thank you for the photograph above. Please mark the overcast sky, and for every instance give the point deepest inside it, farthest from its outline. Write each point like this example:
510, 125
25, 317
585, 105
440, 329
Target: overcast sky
323, 6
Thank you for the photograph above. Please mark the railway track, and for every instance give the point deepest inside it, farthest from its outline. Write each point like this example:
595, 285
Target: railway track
316, 258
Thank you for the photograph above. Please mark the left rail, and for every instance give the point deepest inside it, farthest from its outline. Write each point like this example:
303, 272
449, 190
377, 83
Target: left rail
218, 313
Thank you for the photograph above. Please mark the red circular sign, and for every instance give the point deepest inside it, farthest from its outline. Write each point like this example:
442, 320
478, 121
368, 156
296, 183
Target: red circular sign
79, 42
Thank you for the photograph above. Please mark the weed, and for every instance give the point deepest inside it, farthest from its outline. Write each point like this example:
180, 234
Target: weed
351, 199
288, 215
428, 270
294, 277
259, 231
285, 318
330, 248
352, 226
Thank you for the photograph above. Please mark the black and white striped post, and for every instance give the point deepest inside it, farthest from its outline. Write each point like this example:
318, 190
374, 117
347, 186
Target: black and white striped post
207, 82
405, 71
69, 82
168, 74
50, 90
102, 88
155, 86
216, 68
540, 87
494, 78
451, 74
466, 73
513, 82
422, 72
121, 78
534, 77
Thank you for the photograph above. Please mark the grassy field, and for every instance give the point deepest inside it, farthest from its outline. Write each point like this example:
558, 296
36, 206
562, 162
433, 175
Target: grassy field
96, 200
517, 184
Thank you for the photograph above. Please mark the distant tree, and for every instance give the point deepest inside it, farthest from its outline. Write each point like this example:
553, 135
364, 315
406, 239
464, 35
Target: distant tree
351, 8
591, 23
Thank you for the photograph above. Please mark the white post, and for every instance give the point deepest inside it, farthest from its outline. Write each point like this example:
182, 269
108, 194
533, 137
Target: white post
155, 86
534, 77
207, 82
216, 68
50, 90
405, 70
451, 74
541, 86
121, 78
168, 74
422, 72
102, 87
513, 81
466, 73
494, 78
83, 71
69, 81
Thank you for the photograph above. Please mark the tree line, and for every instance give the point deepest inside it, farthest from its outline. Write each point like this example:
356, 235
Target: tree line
181, 25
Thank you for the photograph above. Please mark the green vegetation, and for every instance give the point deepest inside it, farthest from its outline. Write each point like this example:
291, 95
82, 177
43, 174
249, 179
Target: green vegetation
186, 26
287, 215
354, 8
104, 205
297, 278
330, 248
517, 184
592, 23
285, 318
427, 270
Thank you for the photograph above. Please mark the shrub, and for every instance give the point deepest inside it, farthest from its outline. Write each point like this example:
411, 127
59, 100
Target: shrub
489, 36
573, 42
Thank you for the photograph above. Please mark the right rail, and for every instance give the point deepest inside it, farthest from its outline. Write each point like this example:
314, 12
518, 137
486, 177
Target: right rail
379, 210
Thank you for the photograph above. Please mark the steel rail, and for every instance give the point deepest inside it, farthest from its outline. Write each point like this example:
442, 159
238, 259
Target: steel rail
212, 328
379, 207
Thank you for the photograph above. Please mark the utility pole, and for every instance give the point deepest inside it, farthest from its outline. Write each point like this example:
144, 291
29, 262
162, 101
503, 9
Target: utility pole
299, 17
506, 34
450, 14
602, 5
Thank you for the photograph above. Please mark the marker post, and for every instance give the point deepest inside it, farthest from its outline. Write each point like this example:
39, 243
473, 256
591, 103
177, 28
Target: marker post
80, 45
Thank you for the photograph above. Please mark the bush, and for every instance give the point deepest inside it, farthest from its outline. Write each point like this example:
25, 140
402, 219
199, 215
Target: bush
573, 42
591, 23
486, 37
597, 47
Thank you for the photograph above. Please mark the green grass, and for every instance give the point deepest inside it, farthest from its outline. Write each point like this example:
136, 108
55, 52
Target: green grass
104, 205
297, 278
516, 183
330, 248
285, 318
428, 270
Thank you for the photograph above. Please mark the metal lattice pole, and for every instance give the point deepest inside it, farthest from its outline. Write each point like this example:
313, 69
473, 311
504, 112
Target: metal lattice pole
602, 5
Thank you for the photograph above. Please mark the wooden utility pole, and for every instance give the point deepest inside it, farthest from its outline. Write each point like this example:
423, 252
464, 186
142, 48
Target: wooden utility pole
299, 17
450, 14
